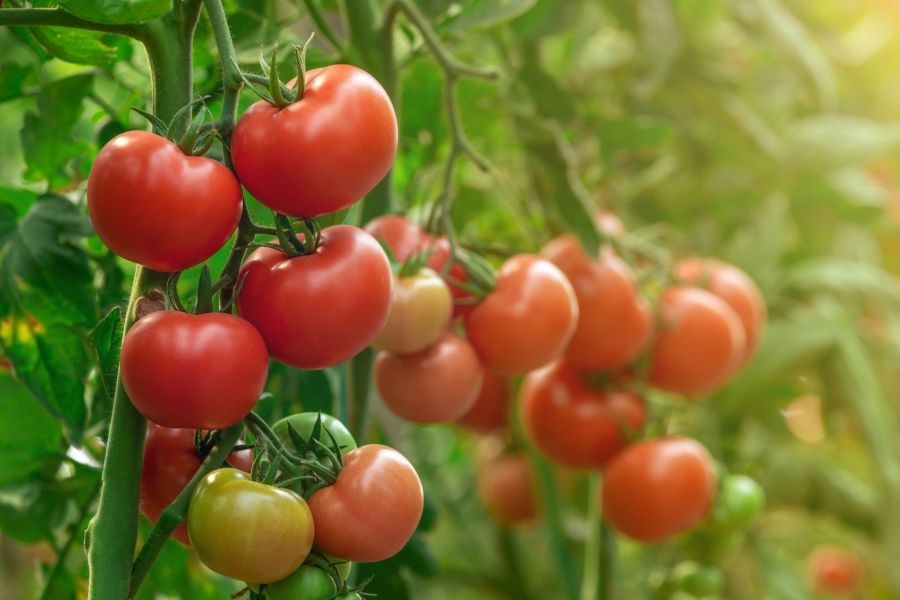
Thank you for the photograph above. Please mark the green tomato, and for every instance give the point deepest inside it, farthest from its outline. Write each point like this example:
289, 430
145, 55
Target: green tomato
306, 583
303, 424
696, 579
740, 501
248, 530
343, 566
348, 596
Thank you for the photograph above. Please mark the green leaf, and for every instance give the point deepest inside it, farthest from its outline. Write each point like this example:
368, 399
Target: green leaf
78, 46
12, 80
30, 439
117, 11
107, 340
842, 277
480, 14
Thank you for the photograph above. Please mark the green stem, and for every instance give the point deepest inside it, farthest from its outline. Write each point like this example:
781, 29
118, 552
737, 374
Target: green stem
509, 551
56, 17
607, 588
358, 374
176, 512
591, 579
315, 12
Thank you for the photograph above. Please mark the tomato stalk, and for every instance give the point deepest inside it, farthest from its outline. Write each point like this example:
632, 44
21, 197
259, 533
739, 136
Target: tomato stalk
57, 17
597, 582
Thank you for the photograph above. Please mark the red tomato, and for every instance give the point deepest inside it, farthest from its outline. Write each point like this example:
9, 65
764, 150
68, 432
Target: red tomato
655, 489
575, 425
372, 509
318, 310
614, 321
321, 153
835, 571
400, 234
491, 409
436, 385
734, 287
527, 320
700, 341
170, 460
153, 205
505, 483
463, 301
197, 371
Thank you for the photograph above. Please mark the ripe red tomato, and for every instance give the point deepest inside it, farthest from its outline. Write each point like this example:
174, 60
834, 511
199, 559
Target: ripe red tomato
401, 235
491, 409
153, 205
248, 530
197, 371
834, 570
700, 341
734, 287
527, 320
614, 321
420, 312
321, 153
655, 489
170, 460
505, 484
436, 385
318, 310
576, 425
372, 509
463, 301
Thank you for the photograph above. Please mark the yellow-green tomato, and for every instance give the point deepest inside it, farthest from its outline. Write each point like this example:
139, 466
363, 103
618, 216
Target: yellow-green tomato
306, 583
248, 530
421, 306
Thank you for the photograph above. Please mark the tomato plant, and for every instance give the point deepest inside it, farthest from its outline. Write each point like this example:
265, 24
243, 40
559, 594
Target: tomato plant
304, 424
308, 583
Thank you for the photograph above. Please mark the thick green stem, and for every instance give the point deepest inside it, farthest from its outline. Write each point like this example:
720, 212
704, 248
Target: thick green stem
57, 17
591, 578
358, 377
607, 587
515, 577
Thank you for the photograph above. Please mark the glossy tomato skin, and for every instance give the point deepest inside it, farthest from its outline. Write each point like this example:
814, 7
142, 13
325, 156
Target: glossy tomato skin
306, 583
463, 301
656, 489
170, 460
248, 530
614, 320
421, 306
699, 343
321, 153
153, 205
506, 484
575, 425
372, 509
528, 319
491, 408
436, 385
318, 310
303, 423
398, 233
193, 371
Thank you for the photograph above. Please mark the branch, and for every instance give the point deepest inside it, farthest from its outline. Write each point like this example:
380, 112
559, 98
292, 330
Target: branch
315, 12
56, 17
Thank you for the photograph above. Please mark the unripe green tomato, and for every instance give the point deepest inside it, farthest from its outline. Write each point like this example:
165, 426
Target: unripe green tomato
696, 579
740, 501
348, 596
248, 530
421, 307
306, 583
329, 563
303, 424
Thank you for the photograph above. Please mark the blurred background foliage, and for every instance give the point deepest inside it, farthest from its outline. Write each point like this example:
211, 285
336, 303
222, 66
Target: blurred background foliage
763, 132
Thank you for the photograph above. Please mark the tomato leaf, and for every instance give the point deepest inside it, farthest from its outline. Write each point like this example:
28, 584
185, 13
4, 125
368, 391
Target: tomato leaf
12, 80
480, 14
117, 11
107, 339
30, 439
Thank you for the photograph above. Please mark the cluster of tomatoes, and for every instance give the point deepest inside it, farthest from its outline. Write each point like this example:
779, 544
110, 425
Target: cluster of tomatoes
294, 512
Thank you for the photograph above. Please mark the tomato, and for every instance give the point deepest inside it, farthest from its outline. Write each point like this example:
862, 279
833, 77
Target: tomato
527, 320
303, 424
348, 596
318, 310
372, 509
321, 153
835, 571
401, 235
656, 489
436, 385
506, 484
170, 461
576, 425
740, 501
734, 287
306, 583
697, 580
698, 345
491, 408
153, 205
614, 321
463, 301
197, 371
420, 312
248, 530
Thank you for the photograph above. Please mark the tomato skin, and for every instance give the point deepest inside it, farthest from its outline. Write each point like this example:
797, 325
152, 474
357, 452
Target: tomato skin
170, 461
421, 306
835, 570
734, 287
575, 425
372, 509
321, 153
436, 385
248, 530
527, 320
303, 424
318, 310
153, 205
739, 502
463, 301
614, 321
655, 489
699, 342
306, 583
505, 484
398, 233
491, 408
193, 371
